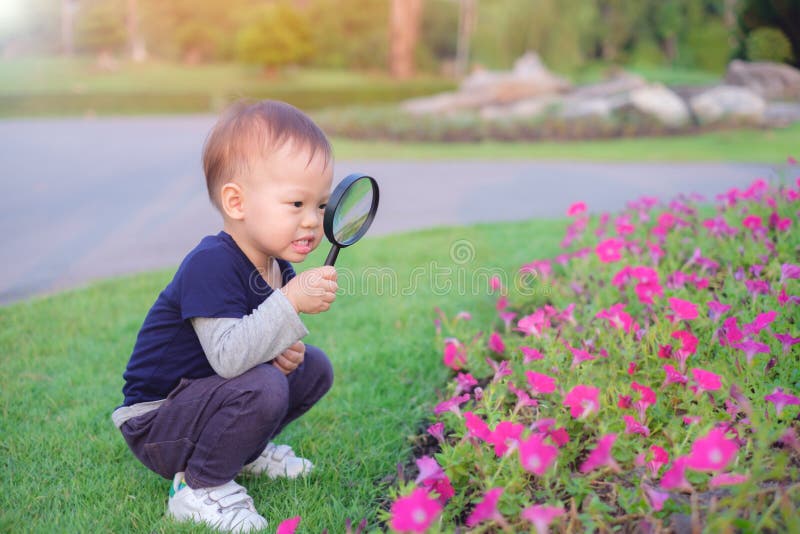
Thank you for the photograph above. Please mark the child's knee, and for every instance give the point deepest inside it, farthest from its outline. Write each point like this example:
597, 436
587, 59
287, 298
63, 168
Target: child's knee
320, 366
267, 391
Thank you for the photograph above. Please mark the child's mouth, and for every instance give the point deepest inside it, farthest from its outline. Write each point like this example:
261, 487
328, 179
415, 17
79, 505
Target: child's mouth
302, 246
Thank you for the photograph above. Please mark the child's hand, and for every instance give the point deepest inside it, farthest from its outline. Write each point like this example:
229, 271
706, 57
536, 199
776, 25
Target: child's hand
312, 291
291, 358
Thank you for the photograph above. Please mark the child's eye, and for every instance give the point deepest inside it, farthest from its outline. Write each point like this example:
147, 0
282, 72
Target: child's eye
323, 206
297, 204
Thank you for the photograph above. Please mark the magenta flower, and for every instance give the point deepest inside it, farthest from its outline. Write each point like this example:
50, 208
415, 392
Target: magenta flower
759, 323
674, 478
437, 431
433, 478
682, 310
523, 399
582, 401
673, 376
465, 382
730, 333
659, 458
717, 309
646, 292
288, 526
610, 250
535, 455
500, 369
706, 380
688, 346
452, 404
632, 426
617, 317
781, 400
751, 348
579, 355
655, 498
495, 284
601, 455
726, 479
787, 341
486, 509
533, 324
540, 383
757, 287
540, 516
496, 343
576, 209
455, 356
647, 398
789, 271
504, 436
530, 354
415, 512
712, 452
476, 426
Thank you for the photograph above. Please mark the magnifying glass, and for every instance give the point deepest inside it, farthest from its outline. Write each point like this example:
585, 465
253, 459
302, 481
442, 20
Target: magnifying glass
350, 212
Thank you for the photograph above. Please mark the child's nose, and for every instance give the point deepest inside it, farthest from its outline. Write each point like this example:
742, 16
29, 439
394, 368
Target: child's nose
312, 218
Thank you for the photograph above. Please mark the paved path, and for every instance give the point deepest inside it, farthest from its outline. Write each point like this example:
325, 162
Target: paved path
83, 199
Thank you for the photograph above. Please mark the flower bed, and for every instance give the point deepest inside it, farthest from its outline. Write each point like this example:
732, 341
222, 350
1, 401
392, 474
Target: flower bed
644, 379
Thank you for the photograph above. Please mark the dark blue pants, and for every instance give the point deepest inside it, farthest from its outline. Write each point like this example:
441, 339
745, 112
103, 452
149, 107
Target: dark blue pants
211, 427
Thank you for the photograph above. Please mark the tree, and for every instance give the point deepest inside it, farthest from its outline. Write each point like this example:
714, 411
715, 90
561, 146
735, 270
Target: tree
279, 35
781, 14
404, 34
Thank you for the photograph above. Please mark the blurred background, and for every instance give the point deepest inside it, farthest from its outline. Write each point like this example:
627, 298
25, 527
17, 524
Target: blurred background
140, 56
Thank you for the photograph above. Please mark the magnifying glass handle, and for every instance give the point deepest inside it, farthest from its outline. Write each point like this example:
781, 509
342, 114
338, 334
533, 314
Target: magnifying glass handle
331, 259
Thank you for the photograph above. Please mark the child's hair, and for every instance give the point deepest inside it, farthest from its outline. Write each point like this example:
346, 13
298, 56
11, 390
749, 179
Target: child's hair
247, 130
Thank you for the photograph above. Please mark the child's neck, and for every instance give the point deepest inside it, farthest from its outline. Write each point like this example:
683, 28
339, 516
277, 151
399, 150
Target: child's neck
264, 264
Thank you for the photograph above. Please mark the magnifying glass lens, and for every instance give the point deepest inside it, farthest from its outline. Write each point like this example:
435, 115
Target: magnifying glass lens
352, 212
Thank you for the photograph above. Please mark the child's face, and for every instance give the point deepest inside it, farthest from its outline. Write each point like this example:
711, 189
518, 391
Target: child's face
284, 200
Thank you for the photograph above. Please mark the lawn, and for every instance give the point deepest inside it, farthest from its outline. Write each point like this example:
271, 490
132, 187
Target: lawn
753, 146
65, 468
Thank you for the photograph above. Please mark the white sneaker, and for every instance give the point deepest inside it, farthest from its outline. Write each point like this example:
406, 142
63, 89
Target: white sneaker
279, 461
227, 508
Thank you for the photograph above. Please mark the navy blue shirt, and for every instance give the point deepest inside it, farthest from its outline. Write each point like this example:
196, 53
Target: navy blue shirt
215, 279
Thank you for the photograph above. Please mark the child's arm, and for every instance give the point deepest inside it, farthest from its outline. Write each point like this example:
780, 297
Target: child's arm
234, 346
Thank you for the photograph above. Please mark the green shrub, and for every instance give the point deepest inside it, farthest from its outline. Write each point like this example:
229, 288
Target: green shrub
278, 36
709, 46
768, 44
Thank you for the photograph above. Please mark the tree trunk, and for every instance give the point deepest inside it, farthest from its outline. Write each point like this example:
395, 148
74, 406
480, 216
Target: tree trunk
68, 8
467, 17
404, 33
136, 44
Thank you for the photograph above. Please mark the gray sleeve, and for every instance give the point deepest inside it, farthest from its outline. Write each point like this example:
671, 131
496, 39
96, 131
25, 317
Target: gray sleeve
234, 346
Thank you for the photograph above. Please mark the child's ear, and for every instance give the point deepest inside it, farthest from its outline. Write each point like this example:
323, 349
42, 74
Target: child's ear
232, 200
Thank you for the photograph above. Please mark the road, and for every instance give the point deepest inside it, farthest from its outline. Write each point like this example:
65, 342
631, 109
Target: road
87, 198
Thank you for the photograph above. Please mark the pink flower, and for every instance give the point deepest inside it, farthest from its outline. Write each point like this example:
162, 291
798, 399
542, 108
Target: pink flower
682, 309
655, 498
465, 382
646, 292
486, 510
437, 431
717, 309
533, 324
761, 321
632, 426
540, 383
726, 479
675, 476
712, 452
504, 435
579, 355
451, 405
288, 526
787, 341
582, 401
433, 478
647, 398
601, 455
540, 516
660, 458
455, 356
688, 346
576, 209
673, 376
476, 426
781, 400
610, 250
751, 348
496, 343
706, 380
495, 284
730, 333
617, 317
789, 271
415, 512
535, 455
530, 354
523, 399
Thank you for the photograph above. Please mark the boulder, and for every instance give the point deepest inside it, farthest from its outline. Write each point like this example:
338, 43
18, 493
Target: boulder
620, 83
728, 102
660, 103
528, 108
529, 78
773, 81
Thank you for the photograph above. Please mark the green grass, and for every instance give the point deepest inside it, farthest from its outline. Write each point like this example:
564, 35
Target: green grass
65, 468
756, 146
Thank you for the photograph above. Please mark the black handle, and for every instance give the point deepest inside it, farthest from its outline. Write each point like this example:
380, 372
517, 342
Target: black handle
331, 259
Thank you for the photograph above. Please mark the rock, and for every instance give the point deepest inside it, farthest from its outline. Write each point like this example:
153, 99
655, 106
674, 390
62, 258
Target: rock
782, 114
443, 103
773, 81
530, 107
659, 102
728, 102
575, 108
621, 83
